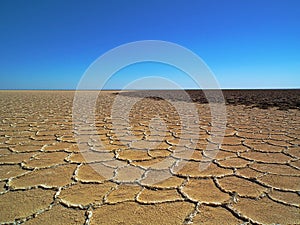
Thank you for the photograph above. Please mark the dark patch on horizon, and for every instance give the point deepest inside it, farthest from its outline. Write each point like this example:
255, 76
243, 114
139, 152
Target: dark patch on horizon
263, 99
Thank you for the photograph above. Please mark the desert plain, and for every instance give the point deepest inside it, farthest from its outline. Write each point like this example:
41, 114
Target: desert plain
143, 166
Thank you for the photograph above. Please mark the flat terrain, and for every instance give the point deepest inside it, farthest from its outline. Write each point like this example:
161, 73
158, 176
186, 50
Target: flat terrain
143, 166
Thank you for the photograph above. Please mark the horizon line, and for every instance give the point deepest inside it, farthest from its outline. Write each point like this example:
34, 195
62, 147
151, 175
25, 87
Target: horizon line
158, 89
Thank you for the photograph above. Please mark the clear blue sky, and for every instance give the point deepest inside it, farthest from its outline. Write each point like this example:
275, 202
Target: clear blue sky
246, 43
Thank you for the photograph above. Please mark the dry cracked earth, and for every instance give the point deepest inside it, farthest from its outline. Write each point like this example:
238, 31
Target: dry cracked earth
51, 173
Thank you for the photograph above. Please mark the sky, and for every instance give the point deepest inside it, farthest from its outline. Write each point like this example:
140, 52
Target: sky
245, 43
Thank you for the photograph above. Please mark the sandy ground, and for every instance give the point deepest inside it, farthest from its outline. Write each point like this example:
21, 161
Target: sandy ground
143, 173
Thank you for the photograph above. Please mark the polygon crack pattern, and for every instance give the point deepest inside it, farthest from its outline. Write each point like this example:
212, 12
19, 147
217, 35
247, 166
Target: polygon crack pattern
152, 170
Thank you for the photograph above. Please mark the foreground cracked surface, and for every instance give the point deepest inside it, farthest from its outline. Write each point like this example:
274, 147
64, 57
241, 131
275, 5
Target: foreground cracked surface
148, 169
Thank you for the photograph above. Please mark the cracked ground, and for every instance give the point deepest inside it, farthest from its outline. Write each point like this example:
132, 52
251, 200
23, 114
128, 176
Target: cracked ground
47, 176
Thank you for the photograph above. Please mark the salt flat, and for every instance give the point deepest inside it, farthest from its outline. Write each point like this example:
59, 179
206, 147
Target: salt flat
144, 167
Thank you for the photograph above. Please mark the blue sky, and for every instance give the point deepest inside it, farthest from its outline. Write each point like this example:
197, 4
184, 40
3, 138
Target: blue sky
246, 43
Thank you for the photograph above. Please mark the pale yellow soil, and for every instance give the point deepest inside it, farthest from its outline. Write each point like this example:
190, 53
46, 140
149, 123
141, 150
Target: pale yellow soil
47, 176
